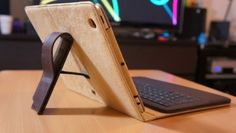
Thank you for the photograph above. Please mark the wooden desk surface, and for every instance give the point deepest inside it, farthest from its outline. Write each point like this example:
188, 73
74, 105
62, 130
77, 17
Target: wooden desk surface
68, 112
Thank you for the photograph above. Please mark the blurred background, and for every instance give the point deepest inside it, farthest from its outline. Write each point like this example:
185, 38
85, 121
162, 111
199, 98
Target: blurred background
194, 39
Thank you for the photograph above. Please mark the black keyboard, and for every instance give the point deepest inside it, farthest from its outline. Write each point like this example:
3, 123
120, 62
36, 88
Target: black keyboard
170, 98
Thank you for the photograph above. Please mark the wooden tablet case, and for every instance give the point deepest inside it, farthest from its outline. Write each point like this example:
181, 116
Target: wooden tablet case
93, 52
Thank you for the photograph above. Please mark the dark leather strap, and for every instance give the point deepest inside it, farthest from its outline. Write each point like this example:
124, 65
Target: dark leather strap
52, 67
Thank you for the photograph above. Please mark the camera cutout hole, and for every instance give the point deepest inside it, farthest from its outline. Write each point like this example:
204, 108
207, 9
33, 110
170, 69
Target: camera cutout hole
94, 93
92, 23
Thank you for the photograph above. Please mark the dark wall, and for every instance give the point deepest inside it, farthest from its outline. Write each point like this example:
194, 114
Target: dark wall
4, 7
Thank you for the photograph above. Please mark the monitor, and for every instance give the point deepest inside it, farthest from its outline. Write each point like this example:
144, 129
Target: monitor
162, 14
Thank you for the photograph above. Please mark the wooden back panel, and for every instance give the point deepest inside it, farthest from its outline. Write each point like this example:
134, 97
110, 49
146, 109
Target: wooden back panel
94, 52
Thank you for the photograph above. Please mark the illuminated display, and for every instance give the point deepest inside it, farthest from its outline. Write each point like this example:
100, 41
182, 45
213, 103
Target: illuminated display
113, 8
163, 14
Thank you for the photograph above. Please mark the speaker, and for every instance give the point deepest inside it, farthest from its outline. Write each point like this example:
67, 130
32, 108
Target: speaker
194, 22
4, 7
219, 31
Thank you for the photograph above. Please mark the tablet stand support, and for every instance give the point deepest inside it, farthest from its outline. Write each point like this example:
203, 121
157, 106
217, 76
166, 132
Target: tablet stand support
52, 68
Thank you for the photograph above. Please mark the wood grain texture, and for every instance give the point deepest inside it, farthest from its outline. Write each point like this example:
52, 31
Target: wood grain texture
68, 112
94, 52
93, 48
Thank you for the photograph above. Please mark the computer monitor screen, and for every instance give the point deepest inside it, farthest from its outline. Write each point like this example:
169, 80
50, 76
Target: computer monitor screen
163, 14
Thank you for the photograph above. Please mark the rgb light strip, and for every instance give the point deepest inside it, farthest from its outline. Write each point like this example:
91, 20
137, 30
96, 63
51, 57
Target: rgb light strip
172, 14
43, 2
175, 12
159, 2
116, 7
114, 12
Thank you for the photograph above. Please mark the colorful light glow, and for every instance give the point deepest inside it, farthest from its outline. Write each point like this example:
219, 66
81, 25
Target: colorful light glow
111, 11
116, 7
43, 2
115, 13
217, 69
175, 12
159, 2
95, 1
168, 10
171, 13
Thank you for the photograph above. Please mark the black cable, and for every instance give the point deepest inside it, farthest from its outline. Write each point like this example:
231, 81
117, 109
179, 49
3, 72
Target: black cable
75, 73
